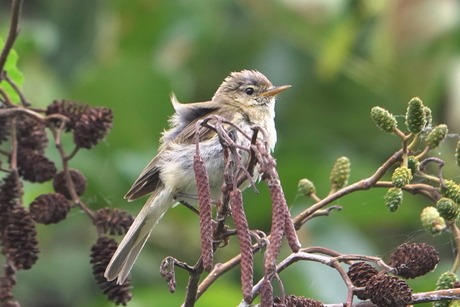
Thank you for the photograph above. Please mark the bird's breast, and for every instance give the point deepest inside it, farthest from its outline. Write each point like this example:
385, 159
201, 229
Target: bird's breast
177, 172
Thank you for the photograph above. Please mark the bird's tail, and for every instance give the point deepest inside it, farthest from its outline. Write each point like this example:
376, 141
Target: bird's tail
134, 240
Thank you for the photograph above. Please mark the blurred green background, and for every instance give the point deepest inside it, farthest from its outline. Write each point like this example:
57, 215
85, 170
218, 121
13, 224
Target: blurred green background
341, 58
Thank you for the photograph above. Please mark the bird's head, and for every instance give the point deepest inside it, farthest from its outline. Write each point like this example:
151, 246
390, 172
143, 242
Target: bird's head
248, 88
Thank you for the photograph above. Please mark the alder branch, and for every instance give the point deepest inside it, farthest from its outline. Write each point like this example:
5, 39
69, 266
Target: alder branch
300, 219
417, 298
364, 184
193, 283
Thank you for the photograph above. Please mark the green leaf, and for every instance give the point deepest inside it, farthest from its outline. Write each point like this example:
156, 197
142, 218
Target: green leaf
13, 72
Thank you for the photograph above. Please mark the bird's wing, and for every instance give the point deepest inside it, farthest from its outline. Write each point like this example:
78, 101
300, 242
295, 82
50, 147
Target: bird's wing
147, 182
184, 132
202, 110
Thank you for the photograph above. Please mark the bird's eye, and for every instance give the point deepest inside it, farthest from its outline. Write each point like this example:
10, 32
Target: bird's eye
249, 91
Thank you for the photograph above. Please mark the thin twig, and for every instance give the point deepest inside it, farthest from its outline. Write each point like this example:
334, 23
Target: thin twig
424, 152
12, 33
315, 197
252, 157
14, 158
400, 133
364, 184
423, 189
347, 280
440, 165
230, 144
6, 98
330, 261
39, 110
14, 144
69, 182
6, 170
73, 153
18, 91
292, 258
182, 265
323, 212
187, 205
414, 141
16, 110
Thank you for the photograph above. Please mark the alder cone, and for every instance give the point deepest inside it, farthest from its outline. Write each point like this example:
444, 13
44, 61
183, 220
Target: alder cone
296, 301
49, 208
78, 179
101, 253
388, 291
35, 167
360, 273
414, 260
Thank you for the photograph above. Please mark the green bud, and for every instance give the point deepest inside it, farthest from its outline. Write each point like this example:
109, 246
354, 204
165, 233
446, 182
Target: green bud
393, 199
445, 281
413, 164
384, 119
306, 187
431, 220
401, 176
443, 303
451, 190
436, 136
457, 153
340, 172
428, 116
415, 116
447, 209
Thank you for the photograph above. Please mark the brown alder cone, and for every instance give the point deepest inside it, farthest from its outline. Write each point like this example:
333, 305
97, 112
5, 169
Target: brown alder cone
49, 208
19, 239
92, 127
113, 221
388, 291
413, 260
31, 134
78, 180
70, 109
7, 282
35, 167
360, 273
101, 252
296, 301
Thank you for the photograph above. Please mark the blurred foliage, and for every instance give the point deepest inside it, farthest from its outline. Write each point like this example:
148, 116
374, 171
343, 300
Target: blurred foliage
341, 57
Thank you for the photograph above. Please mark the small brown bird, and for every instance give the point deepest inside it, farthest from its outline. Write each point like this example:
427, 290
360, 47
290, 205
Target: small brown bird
245, 98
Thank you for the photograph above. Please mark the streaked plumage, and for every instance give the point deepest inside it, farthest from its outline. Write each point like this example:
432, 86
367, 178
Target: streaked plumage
245, 98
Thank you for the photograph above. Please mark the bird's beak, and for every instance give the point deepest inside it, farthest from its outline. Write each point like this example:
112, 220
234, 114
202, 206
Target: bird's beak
275, 90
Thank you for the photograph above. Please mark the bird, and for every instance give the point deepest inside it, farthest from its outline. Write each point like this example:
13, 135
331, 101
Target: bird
245, 98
